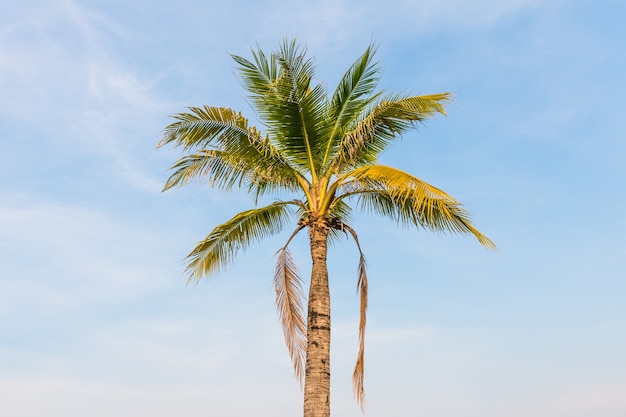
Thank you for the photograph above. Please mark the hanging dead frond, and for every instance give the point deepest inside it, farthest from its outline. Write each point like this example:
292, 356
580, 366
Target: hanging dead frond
289, 295
358, 375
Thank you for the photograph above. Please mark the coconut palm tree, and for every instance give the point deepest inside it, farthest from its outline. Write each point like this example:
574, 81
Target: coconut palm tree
323, 150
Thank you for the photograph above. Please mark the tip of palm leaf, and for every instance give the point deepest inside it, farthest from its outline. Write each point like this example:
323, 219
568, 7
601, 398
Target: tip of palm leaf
192, 280
487, 243
490, 245
195, 275
161, 143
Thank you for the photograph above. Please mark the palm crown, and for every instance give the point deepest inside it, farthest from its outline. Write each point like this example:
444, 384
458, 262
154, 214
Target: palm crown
324, 150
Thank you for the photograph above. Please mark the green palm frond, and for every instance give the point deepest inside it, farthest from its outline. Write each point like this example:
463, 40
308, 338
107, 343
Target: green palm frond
217, 167
286, 103
220, 128
258, 77
220, 247
353, 93
382, 124
289, 296
201, 126
298, 130
296, 70
381, 203
403, 197
225, 170
230, 153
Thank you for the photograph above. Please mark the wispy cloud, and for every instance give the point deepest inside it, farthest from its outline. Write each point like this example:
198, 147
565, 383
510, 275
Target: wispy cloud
62, 81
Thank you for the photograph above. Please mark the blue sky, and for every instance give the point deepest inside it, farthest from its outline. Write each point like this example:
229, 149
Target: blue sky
95, 317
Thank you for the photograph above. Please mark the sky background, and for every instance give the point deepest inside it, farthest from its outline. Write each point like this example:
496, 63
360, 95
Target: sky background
95, 317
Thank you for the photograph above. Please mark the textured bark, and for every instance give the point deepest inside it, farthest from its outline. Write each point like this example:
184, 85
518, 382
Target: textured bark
317, 372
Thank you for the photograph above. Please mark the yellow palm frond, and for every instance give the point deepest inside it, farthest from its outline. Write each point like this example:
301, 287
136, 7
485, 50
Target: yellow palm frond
402, 196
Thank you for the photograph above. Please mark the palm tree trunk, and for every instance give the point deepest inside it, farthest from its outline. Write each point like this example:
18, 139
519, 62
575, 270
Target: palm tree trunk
317, 371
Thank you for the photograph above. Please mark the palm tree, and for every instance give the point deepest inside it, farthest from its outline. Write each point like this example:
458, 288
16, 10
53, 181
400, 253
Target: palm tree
324, 149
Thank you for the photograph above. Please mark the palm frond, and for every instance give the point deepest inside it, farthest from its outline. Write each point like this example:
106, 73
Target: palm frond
296, 69
286, 103
230, 152
219, 248
352, 95
218, 168
340, 213
341, 210
298, 129
218, 128
380, 202
394, 193
200, 126
381, 124
362, 289
258, 77
289, 296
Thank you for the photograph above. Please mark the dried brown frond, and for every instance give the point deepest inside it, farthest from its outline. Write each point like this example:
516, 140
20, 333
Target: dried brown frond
289, 297
359, 373
358, 376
